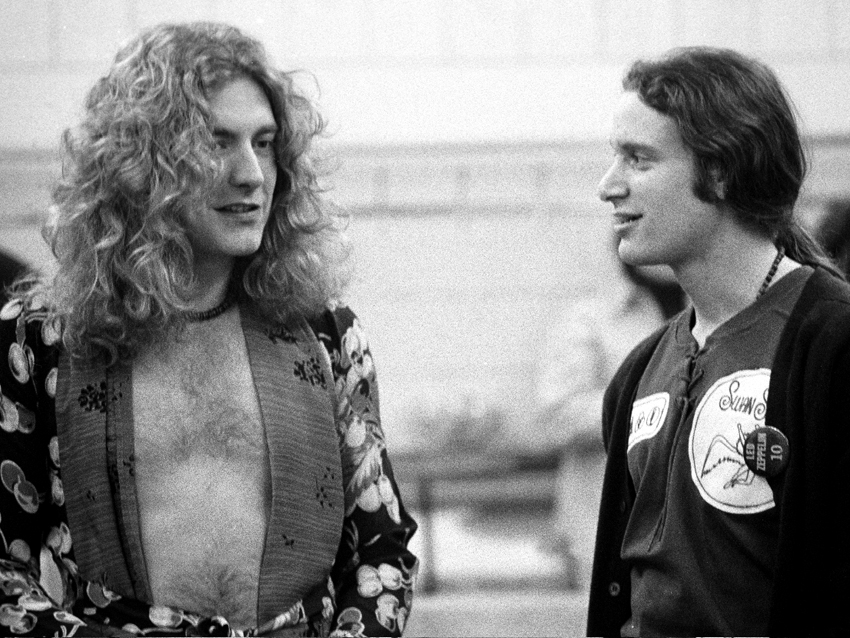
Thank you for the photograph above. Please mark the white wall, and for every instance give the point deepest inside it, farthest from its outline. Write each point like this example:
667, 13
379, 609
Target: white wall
470, 139
421, 71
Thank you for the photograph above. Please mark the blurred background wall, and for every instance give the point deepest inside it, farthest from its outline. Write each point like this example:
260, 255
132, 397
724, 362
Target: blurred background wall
468, 138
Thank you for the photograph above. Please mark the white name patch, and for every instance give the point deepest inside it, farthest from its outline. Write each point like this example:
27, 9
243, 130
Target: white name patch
732, 408
648, 415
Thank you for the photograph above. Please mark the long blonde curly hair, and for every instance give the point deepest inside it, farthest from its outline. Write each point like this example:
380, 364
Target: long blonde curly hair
142, 155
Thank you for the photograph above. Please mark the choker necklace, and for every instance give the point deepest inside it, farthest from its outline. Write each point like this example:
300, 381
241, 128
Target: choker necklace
771, 272
212, 313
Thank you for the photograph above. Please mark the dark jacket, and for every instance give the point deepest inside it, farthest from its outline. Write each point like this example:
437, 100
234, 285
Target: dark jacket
809, 400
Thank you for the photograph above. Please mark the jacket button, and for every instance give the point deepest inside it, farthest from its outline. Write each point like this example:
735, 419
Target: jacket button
614, 589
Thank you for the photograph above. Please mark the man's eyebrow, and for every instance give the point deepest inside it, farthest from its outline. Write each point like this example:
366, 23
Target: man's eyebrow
633, 147
268, 129
265, 130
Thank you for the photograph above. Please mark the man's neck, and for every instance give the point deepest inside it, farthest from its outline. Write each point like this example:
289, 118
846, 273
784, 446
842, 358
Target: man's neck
728, 280
212, 279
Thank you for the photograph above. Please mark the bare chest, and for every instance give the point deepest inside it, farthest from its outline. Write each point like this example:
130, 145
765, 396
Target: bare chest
202, 473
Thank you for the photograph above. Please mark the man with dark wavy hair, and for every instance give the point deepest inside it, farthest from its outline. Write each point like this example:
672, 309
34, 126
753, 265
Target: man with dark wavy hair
726, 497
191, 442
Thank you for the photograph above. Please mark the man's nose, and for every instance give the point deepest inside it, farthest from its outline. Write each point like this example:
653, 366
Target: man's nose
612, 185
245, 170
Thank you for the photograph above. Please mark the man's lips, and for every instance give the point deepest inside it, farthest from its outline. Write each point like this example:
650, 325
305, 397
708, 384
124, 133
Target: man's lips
237, 208
626, 218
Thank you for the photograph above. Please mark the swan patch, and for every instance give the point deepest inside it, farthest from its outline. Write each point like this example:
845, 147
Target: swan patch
731, 409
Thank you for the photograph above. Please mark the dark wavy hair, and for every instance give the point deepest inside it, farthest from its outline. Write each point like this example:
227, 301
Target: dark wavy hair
142, 155
733, 113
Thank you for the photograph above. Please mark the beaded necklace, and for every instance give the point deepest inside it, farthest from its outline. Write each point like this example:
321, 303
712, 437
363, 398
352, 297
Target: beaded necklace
770, 273
212, 313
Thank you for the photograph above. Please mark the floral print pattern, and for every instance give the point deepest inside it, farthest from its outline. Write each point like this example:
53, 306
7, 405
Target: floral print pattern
371, 498
359, 425
369, 591
391, 611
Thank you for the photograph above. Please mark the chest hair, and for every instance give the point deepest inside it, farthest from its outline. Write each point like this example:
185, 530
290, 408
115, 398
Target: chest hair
202, 473
194, 395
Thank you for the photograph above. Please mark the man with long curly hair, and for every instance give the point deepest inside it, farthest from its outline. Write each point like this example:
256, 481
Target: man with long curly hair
190, 439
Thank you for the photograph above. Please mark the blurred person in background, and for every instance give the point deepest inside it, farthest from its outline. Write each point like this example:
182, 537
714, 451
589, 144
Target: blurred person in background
191, 442
833, 231
726, 500
584, 349
10, 269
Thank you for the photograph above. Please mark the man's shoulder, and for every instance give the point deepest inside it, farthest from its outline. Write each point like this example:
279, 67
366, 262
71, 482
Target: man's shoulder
641, 353
333, 319
823, 286
29, 320
633, 366
819, 325
30, 341
823, 303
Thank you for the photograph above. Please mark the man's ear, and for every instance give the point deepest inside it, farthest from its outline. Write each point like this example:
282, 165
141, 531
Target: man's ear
718, 183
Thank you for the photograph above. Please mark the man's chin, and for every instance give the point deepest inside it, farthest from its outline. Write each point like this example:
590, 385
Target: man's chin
631, 257
246, 248
657, 273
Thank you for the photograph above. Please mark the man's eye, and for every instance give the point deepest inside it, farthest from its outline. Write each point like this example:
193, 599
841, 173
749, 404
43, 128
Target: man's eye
635, 160
265, 144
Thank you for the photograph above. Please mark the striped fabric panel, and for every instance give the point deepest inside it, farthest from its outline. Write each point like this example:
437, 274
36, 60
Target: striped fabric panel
305, 526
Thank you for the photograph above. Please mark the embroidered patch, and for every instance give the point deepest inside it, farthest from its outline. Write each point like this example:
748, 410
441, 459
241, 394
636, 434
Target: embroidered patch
327, 482
648, 415
94, 398
310, 370
732, 408
281, 333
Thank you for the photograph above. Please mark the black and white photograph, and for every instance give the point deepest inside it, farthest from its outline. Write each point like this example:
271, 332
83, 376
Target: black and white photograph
438, 318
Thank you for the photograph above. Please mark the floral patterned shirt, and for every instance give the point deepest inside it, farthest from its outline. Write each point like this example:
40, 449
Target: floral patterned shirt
370, 586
